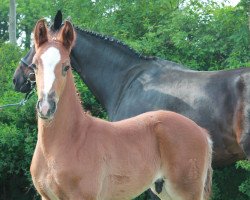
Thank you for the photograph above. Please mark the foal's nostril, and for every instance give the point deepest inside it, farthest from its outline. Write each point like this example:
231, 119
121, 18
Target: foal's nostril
46, 109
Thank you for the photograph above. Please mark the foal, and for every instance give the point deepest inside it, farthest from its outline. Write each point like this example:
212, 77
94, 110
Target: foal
80, 157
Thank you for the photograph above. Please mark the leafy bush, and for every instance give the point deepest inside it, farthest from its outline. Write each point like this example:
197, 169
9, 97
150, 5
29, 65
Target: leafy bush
245, 186
17, 132
89, 102
15, 157
226, 183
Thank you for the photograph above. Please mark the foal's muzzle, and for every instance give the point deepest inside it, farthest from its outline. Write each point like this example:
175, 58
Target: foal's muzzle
46, 108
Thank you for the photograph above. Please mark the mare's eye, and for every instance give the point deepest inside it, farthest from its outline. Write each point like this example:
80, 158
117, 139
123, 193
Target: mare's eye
33, 66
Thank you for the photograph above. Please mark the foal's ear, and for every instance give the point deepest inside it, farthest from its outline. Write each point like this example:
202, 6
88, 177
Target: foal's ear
67, 35
40, 33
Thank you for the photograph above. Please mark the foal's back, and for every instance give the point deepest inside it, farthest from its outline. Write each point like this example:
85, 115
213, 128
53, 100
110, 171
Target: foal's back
160, 149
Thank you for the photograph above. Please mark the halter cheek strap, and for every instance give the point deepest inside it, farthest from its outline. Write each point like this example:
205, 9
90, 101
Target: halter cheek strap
24, 62
30, 80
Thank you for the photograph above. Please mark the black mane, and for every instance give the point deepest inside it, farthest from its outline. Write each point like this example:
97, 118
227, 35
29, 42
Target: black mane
116, 41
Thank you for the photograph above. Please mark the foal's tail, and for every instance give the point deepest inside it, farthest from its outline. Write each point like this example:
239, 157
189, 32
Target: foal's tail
208, 180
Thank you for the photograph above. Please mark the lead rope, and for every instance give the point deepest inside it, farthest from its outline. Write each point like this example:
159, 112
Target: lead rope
22, 102
27, 96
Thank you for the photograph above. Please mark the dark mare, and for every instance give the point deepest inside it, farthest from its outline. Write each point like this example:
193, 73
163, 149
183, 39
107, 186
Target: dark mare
128, 84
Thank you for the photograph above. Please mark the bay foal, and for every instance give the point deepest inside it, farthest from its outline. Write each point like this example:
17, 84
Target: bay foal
79, 157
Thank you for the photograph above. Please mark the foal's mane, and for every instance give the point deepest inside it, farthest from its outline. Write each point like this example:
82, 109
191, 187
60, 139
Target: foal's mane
113, 40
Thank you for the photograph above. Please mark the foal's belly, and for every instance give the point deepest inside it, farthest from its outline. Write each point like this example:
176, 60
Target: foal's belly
125, 187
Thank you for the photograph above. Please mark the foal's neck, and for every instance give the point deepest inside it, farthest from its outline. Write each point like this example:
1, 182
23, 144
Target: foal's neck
68, 116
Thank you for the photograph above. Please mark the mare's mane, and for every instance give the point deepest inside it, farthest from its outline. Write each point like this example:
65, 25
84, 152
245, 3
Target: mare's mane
112, 40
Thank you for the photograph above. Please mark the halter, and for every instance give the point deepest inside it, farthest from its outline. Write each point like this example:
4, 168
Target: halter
29, 79
24, 62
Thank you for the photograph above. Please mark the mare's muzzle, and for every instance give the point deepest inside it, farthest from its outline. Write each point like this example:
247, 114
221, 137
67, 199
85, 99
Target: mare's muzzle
46, 107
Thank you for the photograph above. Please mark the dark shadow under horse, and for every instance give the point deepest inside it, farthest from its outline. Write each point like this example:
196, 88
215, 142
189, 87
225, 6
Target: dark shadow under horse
128, 84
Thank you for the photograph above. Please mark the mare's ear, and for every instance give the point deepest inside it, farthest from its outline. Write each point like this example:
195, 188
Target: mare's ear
57, 21
67, 35
40, 33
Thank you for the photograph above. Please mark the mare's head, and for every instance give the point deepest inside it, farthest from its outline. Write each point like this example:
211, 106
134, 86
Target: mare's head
24, 78
51, 63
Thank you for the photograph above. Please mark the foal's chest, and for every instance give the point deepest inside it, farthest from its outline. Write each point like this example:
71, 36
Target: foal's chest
47, 188
46, 184
44, 176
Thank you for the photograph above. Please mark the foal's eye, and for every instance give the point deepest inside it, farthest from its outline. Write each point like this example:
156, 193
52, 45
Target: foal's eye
66, 68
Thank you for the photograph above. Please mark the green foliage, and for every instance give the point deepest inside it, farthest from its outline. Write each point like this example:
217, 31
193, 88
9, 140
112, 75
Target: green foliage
244, 164
226, 183
9, 54
4, 20
200, 36
204, 36
245, 186
89, 102
17, 131
28, 12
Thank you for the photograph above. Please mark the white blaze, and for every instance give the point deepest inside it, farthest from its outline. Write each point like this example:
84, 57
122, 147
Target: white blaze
50, 58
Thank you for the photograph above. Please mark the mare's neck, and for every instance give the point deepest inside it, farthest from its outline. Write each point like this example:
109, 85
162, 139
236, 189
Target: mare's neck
104, 66
68, 117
